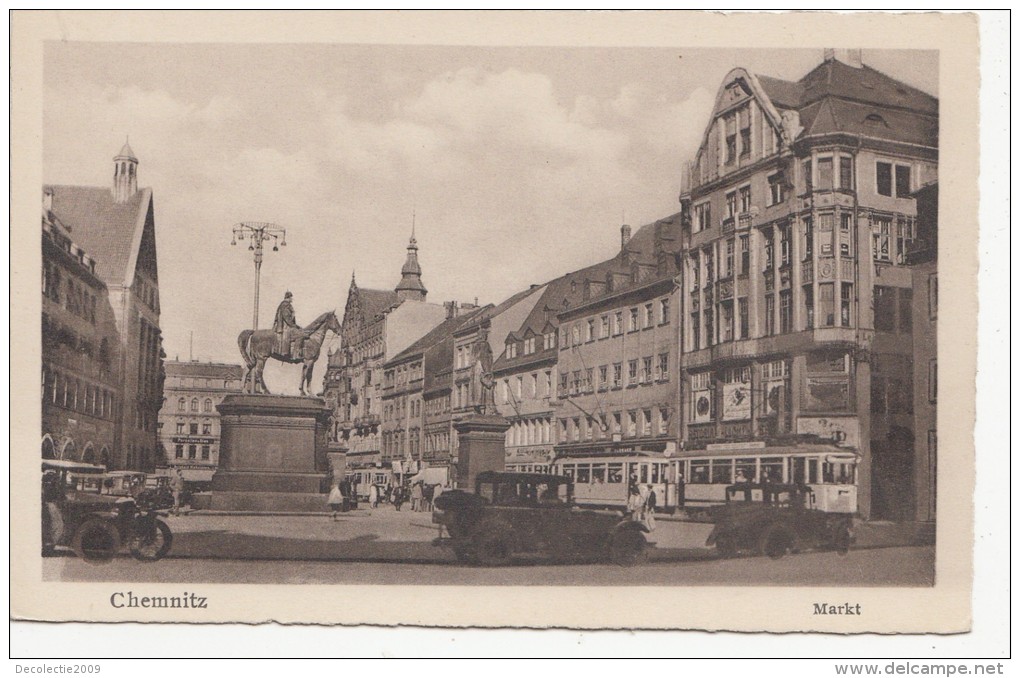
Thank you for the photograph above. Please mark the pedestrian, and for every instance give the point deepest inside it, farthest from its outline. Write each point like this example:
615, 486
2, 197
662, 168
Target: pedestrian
336, 500
681, 490
648, 510
439, 489
416, 495
177, 487
427, 494
373, 496
398, 497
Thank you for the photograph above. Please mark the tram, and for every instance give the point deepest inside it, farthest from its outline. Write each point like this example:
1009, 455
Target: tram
699, 479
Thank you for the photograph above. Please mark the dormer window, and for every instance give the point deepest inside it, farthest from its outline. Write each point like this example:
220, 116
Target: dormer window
875, 119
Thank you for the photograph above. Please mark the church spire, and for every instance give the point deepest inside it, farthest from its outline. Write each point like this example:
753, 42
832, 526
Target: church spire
125, 175
410, 286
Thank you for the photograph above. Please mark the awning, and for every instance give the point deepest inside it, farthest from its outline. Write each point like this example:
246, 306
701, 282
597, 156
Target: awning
431, 476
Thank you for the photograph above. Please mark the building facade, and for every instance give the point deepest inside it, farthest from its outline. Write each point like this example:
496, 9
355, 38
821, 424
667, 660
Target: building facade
797, 298
189, 423
117, 227
81, 393
377, 325
617, 352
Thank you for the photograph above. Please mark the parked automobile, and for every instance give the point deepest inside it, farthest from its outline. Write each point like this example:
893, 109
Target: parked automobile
784, 520
94, 523
532, 514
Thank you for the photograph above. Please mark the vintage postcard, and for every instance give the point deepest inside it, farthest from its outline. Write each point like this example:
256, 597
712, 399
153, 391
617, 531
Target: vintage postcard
586, 320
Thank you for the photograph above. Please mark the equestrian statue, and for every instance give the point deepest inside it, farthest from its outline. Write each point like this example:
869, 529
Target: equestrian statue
287, 342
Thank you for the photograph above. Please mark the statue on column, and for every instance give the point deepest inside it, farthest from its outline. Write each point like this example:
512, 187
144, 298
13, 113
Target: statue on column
482, 381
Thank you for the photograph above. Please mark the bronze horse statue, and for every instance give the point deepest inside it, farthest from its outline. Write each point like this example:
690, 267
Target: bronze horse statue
258, 346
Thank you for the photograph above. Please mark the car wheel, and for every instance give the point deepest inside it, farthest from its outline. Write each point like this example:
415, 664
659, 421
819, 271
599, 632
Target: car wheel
627, 547
96, 541
492, 549
776, 541
154, 545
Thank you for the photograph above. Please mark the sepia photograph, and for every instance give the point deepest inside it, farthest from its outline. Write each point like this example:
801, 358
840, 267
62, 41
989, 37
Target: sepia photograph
446, 316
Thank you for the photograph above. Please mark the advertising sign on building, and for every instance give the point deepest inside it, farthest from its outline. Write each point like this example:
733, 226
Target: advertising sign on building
841, 430
702, 406
736, 401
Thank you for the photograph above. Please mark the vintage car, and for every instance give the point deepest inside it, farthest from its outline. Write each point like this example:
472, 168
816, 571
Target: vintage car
783, 520
79, 510
532, 515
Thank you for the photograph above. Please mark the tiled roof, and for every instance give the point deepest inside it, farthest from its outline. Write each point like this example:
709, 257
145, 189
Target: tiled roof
180, 368
782, 93
376, 302
105, 229
833, 115
833, 78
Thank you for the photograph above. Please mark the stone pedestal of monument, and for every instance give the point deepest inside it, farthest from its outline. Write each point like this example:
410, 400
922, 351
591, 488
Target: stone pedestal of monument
481, 444
272, 454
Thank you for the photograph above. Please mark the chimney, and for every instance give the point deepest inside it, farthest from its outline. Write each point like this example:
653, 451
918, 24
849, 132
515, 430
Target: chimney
451, 309
624, 236
47, 200
850, 57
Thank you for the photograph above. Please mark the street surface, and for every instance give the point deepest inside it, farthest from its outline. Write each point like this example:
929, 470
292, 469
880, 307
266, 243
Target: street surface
376, 546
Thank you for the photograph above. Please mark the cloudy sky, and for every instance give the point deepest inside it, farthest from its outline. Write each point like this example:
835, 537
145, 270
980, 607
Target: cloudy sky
519, 163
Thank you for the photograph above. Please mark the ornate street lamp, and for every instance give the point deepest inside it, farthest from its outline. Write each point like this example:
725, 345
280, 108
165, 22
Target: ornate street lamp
257, 233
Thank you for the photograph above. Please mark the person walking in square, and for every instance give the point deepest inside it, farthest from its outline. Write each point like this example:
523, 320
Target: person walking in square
335, 500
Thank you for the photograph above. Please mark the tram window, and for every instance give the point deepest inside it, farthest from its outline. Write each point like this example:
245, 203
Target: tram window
615, 473
583, 473
598, 473
644, 473
772, 468
569, 471
745, 468
655, 474
812, 470
797, 469
699, 472
722, 471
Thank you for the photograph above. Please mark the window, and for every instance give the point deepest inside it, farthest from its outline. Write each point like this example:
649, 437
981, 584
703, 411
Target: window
846, 298
664, 311
646, 372
646, 423
846, 173
695, 331
769, 250
702, 217
182, 405
632, 372
902, 181
809, 307
826, 292
617, 375
709, 266
744, 122
825, 226
777, 192
632, 424
519, 387
529, 345
805, 170
589, 330
825, 178
193, 429
618, 323
564, 338
881, 231
731, 204
745, 199
809, 238
904, 237
933, 296
885, 309
563, 383
206, 429
192, 449
785, 312
727, 267
603, 377
845, 234
179, 451
194, 404
784, 244
906, 301
633, 325
742, 312
663, 366
745, 254
550, 340
604, 329
649, 315
575, 335
726, 321
207, 405
205, 452
180, 428
730, 123
575, 382
547, 390
883, 178
709, 327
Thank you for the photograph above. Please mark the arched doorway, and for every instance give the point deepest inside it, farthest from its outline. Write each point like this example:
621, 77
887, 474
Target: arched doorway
49, 451
68, 450
89, 454
104, 457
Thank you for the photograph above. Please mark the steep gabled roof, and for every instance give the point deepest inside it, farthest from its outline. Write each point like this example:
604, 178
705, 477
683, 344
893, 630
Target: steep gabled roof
376, 302
433, 337
833, 78
782, 93
110, 231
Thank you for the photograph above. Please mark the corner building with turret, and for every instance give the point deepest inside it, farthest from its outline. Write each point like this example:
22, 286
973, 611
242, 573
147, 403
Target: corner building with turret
797, 292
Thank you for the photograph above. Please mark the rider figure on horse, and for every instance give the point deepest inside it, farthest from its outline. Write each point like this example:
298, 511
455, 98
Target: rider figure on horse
290, 338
